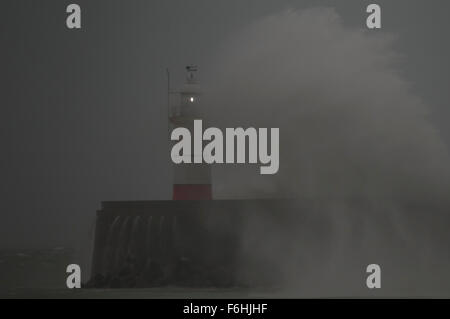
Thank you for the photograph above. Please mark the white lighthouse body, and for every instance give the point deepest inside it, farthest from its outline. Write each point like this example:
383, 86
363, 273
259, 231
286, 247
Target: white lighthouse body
191, 181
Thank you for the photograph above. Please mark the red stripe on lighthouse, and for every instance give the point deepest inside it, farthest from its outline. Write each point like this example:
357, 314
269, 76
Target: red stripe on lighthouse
192, 192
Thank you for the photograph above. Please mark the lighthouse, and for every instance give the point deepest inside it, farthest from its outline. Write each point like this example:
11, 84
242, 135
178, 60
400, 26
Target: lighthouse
191, 181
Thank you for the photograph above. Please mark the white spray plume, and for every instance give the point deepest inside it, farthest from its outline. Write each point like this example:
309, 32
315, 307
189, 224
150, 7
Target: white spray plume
350, 127
349, 123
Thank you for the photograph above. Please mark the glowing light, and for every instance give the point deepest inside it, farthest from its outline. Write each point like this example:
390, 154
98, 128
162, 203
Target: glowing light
191, 99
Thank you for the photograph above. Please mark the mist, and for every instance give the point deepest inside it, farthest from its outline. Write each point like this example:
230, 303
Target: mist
351, 128
84, 120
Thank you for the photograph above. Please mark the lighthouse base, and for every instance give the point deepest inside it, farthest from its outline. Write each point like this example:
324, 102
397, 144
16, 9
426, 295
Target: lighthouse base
306, 244
186, 243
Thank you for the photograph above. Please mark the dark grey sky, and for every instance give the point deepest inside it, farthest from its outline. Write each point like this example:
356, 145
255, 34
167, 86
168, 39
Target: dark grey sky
82, 111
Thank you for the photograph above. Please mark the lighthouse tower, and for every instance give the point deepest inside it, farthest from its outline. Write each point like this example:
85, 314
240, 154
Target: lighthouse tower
191, 181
